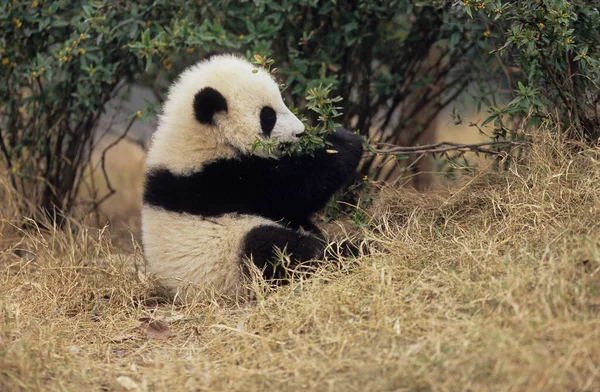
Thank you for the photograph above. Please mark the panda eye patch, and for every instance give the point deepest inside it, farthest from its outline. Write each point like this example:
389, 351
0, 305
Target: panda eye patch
268, 118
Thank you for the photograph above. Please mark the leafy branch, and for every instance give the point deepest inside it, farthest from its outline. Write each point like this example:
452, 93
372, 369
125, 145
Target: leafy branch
326, 112
319, 104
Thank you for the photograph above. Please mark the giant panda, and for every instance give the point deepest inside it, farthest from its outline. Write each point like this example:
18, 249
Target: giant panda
211, 205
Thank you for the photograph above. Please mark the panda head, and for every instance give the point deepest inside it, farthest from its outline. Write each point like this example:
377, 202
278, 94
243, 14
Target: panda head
225, 103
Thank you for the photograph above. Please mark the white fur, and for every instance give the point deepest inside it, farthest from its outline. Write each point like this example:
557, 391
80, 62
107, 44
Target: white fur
182, 144
186, 251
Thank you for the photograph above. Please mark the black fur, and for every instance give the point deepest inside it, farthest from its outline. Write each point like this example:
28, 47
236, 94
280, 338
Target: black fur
268, 118
207, 102
261, 242
289, 189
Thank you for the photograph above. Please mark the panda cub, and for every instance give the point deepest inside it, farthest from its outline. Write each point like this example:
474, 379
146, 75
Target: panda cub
211, 204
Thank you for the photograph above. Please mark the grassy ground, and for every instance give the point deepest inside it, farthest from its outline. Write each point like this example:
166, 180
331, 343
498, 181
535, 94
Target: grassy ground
492, 286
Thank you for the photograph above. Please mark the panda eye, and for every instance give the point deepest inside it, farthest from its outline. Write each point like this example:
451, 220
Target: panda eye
268, 118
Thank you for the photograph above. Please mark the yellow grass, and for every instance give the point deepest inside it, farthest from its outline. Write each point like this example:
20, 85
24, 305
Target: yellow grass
491, 286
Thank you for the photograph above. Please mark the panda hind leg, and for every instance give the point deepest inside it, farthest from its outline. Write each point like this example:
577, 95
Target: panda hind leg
260, 246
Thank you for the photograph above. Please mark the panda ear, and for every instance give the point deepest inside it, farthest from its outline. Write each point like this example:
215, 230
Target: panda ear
207, 102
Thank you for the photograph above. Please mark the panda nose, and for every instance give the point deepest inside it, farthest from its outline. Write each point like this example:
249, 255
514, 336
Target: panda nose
300, 134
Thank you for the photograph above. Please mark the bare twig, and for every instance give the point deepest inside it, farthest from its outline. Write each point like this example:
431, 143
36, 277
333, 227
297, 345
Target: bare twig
111, 190
443, 147
8, 158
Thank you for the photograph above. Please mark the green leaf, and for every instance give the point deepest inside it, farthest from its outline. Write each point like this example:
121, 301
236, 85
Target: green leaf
146, 38
488, 120
59, 23
369, 147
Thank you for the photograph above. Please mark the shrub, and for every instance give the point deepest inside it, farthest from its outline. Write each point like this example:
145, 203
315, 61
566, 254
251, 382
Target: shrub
62, 61
396, 64
547, 55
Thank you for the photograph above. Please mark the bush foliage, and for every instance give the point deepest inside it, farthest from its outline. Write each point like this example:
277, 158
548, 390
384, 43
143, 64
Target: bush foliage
395, 63
547, 54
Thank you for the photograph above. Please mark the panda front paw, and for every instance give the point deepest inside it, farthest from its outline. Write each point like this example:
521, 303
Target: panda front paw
343, 134
347, 144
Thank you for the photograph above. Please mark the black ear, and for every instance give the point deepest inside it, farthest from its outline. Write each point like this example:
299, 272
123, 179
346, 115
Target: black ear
207, 102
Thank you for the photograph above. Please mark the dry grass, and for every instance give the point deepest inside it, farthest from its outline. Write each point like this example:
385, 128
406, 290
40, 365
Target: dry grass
491, 286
